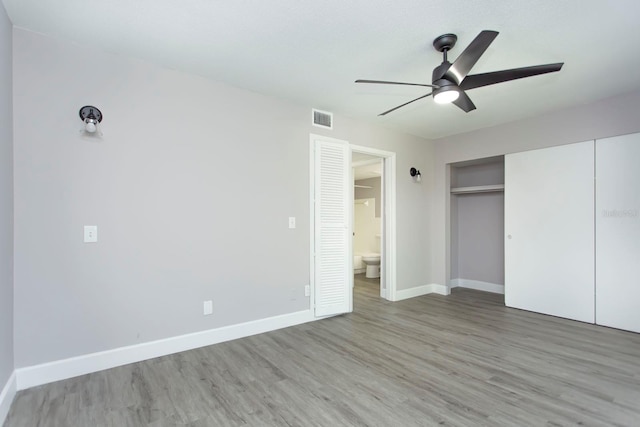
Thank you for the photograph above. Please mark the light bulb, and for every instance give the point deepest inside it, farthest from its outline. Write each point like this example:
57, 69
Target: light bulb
446, 96
90, 126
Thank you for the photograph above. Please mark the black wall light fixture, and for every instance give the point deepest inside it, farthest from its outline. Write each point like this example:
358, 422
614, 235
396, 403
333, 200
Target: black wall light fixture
91, 116
415, 173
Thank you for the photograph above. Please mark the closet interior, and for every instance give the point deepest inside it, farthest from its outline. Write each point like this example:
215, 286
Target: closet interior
477, 224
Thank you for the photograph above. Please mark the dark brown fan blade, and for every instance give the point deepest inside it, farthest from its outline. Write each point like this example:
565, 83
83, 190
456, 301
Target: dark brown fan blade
467, 59
406, 103
486, 79
464, 102
395, 83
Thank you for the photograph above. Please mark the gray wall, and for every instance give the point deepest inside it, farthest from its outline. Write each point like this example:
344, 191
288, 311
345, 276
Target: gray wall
477, 224
6, 200
190, 188
613, 116
480, 237
473, 175
375, 192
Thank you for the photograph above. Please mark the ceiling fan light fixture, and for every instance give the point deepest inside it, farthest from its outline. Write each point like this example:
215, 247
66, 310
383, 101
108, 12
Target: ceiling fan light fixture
446, 94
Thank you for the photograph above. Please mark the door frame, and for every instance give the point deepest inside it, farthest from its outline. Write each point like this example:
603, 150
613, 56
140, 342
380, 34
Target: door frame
388, 246
389, 222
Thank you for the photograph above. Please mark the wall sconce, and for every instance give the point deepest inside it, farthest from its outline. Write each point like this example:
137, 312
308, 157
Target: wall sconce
91, 117
415, 173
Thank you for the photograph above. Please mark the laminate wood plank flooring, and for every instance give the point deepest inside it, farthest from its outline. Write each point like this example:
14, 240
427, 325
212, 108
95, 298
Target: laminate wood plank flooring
458, 360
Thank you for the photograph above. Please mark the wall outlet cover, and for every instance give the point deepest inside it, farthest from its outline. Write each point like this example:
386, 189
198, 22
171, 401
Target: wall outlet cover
90, 233
207, 308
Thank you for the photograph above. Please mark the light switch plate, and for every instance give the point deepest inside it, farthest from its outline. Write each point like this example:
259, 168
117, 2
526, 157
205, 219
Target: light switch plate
292, 222
90, 233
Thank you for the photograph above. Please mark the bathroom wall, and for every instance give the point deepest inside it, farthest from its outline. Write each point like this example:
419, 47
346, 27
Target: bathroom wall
375, 191
366, 227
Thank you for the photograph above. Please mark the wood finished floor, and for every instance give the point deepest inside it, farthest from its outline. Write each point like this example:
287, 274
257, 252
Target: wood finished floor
461, 360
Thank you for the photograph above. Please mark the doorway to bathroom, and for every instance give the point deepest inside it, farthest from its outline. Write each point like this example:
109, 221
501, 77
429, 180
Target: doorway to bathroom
331, 208
371, 221
367, 224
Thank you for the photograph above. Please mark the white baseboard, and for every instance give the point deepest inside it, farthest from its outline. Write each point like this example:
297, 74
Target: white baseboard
440, 289
68, 368
359, 270
412, 292
6, 397
417, 291
477, 285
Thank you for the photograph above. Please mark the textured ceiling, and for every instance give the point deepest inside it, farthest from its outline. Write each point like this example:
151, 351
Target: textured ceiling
311, 52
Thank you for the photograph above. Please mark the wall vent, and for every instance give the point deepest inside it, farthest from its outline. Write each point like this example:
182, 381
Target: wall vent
322, 119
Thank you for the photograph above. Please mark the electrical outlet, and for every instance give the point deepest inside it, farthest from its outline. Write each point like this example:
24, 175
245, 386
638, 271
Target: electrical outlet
90, 233
207, 308
307, 290
292, 222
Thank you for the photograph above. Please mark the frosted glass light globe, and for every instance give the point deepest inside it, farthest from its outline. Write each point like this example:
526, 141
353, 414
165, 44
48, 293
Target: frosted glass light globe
90, 127
446, 97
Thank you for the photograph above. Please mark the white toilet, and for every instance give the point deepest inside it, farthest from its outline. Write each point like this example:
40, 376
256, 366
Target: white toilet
372, 261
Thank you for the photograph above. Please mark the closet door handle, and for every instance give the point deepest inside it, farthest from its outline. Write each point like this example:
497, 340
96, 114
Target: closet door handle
509, 236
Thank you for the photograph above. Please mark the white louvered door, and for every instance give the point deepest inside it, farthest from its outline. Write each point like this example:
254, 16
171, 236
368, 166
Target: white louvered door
332, 237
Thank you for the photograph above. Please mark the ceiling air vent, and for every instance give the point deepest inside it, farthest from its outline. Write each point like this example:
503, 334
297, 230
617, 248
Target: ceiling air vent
322, 119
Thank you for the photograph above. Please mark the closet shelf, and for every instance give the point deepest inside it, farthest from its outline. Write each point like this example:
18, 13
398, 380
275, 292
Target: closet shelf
478, 189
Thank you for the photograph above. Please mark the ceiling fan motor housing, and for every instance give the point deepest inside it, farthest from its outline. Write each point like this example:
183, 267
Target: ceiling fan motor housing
440, 72
443, 83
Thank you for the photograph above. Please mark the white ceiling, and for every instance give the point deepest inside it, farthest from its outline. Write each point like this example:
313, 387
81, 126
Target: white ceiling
365, 166
367, 171
310, 52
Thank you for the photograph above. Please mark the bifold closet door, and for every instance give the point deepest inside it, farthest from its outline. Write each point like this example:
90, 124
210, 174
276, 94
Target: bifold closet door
618, 232
549, 231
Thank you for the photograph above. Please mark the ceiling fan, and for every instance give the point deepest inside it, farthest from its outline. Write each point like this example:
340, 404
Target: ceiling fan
450, 81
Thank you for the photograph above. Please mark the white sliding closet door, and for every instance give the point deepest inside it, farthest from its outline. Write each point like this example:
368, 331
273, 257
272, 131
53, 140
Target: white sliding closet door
549, 231
333, 264
618, 232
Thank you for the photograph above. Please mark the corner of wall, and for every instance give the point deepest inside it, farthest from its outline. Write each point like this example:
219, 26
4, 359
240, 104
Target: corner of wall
432, 288
6, 397
7, 360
